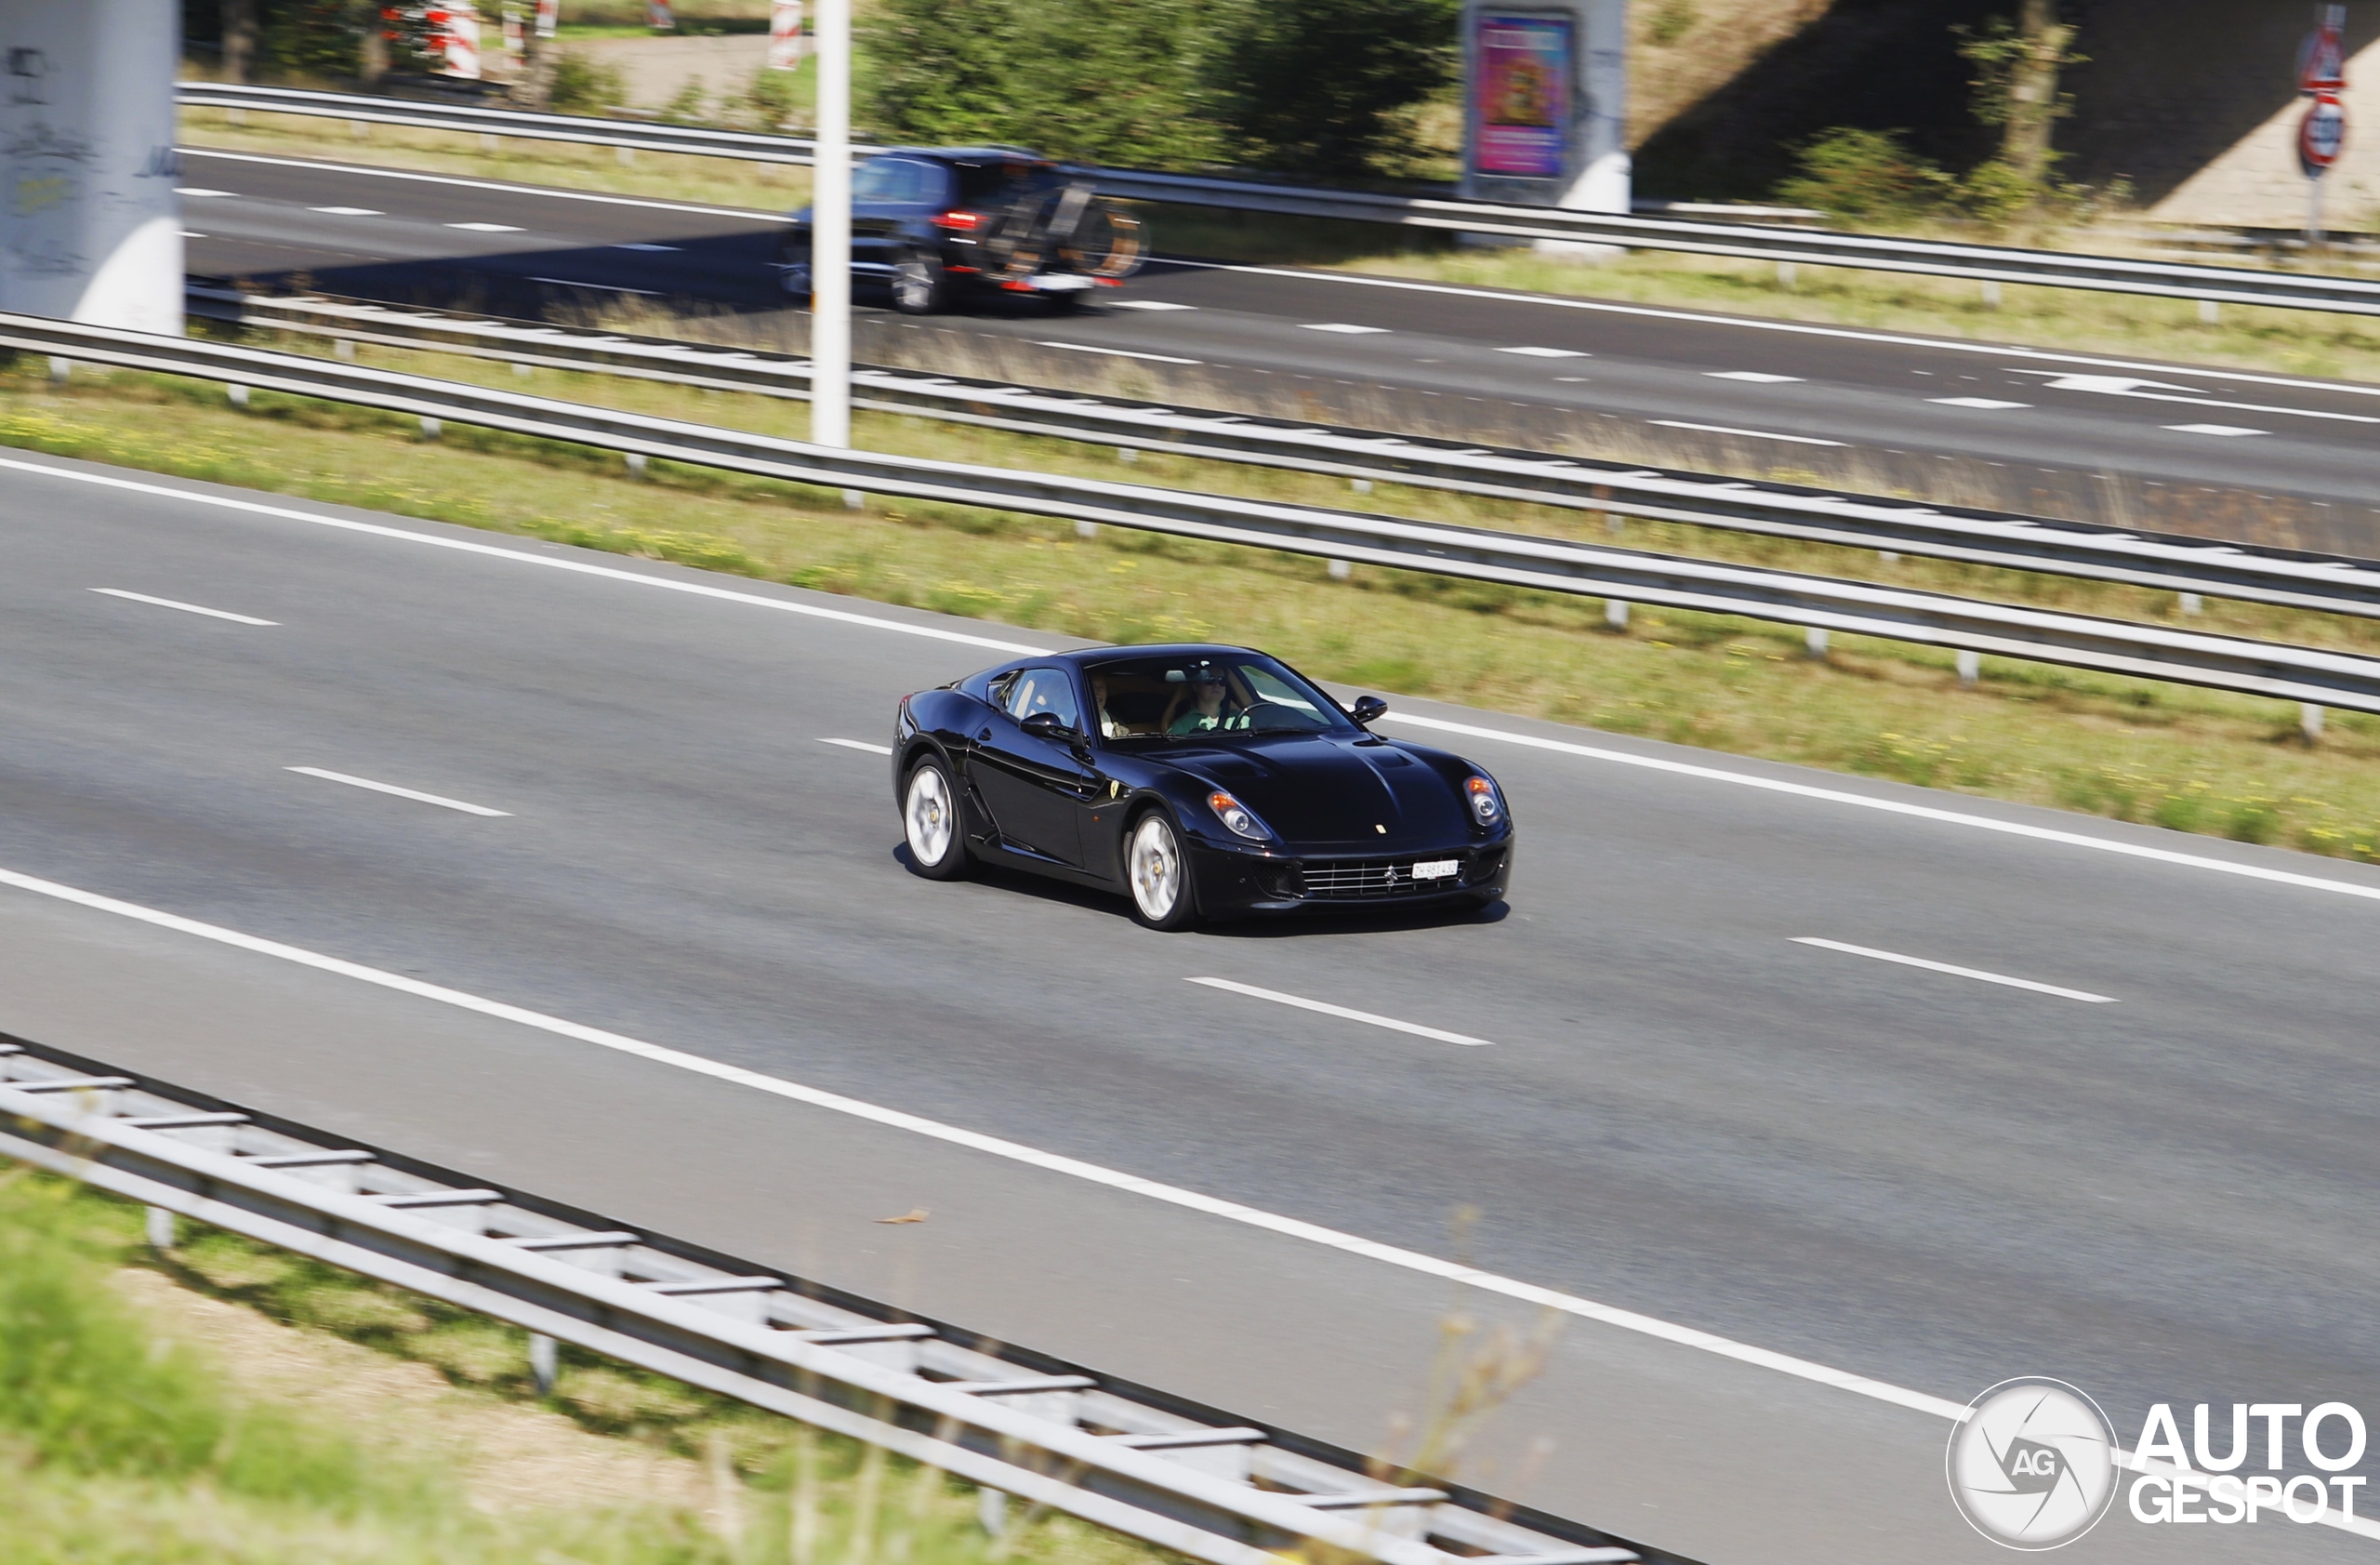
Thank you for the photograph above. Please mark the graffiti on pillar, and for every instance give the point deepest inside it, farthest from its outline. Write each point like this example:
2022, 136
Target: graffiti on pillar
46, 174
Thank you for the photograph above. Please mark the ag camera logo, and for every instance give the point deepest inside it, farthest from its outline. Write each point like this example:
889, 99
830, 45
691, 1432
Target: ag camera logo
2032, 1465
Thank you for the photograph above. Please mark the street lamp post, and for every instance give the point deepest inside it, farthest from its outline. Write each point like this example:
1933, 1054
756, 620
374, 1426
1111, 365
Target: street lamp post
830, 234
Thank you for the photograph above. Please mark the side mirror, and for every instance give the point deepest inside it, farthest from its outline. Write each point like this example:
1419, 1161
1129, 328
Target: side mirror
1367, 710
1050, 726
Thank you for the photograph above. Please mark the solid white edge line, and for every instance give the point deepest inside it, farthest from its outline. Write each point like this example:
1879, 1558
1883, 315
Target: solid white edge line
556, 193
1977, 972
860, 744
186, 609
1118, 352
1172, 1195
1794, 328
1341, 1011
1756, 435
520, 557
1899, 807
415, 794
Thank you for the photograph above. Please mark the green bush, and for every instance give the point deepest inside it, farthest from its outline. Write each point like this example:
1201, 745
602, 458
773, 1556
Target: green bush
1312, 85
1865, 176
583, 86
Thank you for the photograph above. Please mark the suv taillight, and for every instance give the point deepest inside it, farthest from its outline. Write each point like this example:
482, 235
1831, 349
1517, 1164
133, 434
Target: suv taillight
959, 220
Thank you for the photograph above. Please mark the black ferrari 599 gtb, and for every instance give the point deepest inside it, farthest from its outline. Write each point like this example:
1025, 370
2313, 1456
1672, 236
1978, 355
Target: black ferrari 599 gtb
1203, 781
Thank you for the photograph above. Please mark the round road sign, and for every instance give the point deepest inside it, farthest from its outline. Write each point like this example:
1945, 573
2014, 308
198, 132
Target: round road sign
2322, 135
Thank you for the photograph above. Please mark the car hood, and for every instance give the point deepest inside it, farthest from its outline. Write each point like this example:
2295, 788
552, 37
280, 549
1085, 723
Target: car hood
1324, 792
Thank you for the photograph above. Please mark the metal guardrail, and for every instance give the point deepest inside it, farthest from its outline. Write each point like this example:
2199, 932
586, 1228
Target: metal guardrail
1986, 263
2166, 561
1186, 1478
2306, 674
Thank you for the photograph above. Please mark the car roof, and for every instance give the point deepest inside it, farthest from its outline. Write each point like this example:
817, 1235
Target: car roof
971, 155
1094, 656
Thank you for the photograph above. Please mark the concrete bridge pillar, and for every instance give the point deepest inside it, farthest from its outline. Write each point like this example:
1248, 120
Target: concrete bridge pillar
89, 226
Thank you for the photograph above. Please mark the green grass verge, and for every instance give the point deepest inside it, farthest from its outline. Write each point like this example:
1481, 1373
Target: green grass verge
2192, 760
119, 1446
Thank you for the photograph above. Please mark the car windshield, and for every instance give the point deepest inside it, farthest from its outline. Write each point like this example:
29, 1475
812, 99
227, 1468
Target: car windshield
1164, 700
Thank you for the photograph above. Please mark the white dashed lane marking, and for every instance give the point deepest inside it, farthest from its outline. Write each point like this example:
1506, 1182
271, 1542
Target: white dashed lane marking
487, 228
1343, 1013
347, 211
1342, 326
1988, 403
186, 609
1757, 378
1547, 352
417, 797
1149, 304
860, 744
2224, 430
1974, 972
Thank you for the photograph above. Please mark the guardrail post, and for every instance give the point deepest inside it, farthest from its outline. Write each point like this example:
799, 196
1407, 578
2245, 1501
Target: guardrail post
61, 370
2210, 311
1786, 272
490, 142
1341, 570
1970, 667
636, 463
1615, 613
359, 129
1086, 529
543, 1362
2192, 603
623, 156
433, 428
1814, 640
2309, 721
991, 1511
1360, 485
1992, 294
238, 396
161, 1229
344, 347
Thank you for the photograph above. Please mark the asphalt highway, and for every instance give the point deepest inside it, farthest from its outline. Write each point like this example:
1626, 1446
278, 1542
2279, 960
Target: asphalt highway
2131, 1142
1783, 391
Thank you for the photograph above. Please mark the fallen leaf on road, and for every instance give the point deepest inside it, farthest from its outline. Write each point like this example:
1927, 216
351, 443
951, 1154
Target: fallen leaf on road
915, 1214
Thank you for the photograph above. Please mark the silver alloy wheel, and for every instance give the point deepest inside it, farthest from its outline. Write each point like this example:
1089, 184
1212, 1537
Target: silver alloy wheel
1156, 866
927, 815
913, 285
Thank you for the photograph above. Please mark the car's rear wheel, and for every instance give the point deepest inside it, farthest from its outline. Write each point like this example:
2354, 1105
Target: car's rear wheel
920, 284
1159, 875
929, 820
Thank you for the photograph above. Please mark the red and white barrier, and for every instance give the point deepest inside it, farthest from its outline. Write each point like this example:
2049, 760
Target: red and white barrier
785, 34
657, 17
454, 38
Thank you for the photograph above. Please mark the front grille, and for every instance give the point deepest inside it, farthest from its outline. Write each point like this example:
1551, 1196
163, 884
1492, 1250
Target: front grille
1348, 880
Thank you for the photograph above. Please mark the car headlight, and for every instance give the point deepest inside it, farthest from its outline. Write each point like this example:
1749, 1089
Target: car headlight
1487, 805
1237, 818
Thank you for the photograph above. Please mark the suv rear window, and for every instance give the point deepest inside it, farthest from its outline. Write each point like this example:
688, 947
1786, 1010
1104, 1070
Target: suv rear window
899, 178
997, 184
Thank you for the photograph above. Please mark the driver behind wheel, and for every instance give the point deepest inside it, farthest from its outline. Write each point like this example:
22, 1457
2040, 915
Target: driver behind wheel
1204, 711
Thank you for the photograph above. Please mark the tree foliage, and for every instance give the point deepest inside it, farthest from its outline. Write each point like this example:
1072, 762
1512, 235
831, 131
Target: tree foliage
1311, 84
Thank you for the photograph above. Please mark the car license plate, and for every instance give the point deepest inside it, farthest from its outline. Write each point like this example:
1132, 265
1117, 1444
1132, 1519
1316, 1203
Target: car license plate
1436, 869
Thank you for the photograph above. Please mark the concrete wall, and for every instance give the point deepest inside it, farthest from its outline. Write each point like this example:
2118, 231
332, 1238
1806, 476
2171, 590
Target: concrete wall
89, 226
2195, 102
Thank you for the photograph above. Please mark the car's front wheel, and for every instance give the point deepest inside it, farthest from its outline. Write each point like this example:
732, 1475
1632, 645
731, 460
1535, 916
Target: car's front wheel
1159, 875
930, 822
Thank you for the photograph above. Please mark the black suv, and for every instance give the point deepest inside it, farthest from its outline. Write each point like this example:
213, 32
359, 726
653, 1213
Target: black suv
941, 224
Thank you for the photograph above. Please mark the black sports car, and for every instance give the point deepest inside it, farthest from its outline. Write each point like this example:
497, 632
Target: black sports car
1205, 781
